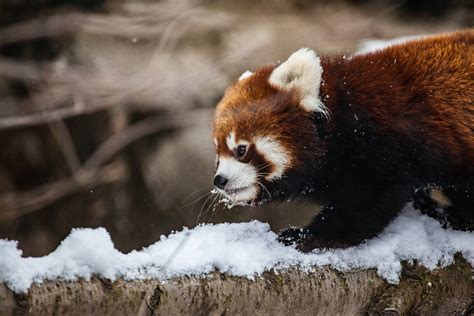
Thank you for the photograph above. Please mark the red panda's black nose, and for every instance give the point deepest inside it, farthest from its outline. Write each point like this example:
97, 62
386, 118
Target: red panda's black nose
220, 181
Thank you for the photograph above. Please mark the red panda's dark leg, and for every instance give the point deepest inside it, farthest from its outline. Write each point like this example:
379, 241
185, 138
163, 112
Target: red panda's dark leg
432, 201
423, 201
293, 236
347, 222
460, 211
452, 205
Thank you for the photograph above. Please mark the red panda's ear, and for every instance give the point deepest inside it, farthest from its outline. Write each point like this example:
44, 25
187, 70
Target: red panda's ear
301, 71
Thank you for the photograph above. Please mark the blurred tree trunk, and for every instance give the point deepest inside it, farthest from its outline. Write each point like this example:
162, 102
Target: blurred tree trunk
446, 291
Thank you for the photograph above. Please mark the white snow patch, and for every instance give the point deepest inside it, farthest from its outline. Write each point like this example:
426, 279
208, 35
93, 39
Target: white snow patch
244, 249
371, 45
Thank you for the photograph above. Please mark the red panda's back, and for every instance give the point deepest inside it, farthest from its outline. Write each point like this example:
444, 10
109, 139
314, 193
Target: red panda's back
425, 85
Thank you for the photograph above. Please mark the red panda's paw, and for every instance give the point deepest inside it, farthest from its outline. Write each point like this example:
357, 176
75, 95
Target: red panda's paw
304, 241
293, 236
422, 201
314, 242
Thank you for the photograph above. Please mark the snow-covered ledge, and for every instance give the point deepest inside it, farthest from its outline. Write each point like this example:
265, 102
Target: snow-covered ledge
324, 291
241, 267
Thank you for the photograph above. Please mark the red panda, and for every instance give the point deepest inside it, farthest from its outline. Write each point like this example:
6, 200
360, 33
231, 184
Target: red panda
357, 134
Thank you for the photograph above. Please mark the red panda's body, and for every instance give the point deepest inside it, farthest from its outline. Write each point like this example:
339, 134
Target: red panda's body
378, 127
423, 90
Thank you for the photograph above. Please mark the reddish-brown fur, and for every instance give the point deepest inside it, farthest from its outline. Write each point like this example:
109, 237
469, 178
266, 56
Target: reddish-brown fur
396, 79
422, 66
400, 118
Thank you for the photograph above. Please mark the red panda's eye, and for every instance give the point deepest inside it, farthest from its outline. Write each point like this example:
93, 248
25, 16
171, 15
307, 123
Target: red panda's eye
240, 151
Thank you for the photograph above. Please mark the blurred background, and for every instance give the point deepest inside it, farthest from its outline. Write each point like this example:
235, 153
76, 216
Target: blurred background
106, 105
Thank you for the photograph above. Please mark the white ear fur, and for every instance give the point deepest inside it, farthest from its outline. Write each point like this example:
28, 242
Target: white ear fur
302, 71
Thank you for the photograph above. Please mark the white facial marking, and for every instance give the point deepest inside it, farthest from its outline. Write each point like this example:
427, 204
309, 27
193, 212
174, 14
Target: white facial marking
230, 141
242, 177
302, 71
275, 153
245, 75
242, 185
215, 142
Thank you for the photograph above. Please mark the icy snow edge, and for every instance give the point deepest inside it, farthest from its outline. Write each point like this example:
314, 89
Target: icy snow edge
372, 45
245, 249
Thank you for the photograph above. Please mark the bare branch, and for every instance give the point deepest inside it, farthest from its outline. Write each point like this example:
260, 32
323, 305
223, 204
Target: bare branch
42, 27
66, 94
66, 144
144, 23
47, 116
323, 291
15, 204
145, 127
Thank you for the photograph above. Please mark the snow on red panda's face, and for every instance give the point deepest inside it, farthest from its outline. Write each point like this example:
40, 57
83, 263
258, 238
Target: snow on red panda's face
262, 126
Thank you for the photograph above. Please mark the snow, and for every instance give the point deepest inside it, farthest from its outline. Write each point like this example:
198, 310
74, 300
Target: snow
371, 45
243, 249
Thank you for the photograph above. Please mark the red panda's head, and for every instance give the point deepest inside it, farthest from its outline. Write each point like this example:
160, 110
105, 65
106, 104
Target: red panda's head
264, 129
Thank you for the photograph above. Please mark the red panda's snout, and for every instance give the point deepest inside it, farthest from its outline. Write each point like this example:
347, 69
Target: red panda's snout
245, 166
262, 125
